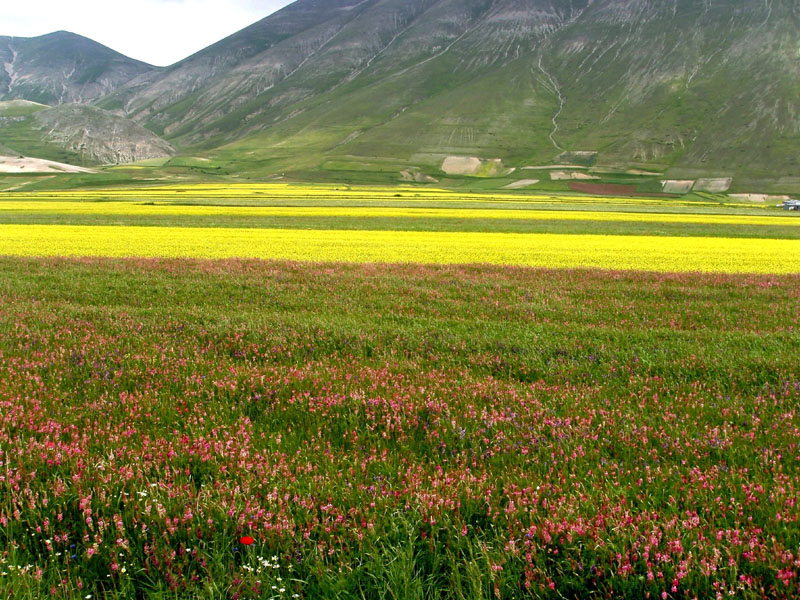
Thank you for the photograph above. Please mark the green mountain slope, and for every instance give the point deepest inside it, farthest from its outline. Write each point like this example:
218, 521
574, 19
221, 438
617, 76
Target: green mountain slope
360, 68
710, 85
696, 84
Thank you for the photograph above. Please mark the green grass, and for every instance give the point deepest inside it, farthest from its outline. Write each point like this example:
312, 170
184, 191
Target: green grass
19, 108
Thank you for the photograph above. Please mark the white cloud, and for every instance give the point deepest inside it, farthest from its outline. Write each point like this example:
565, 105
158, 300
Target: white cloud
160, 32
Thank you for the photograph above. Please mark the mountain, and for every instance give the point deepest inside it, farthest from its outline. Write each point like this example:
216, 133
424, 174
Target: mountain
710, 85
76, 134
312, 48
62, 67
706, 84
688, 87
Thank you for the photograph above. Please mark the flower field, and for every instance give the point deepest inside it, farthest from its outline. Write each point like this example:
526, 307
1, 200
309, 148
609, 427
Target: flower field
270, 391
408, 225
248, 192
149, 209
245, 429
671, 254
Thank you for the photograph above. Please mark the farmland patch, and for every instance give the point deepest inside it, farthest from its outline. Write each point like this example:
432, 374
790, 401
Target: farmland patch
714, 186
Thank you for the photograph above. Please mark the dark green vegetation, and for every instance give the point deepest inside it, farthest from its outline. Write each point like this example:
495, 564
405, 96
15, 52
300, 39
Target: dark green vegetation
395, 432
342, 90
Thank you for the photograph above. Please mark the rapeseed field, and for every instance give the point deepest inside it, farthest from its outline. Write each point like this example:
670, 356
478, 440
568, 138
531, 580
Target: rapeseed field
642, 253
146, 209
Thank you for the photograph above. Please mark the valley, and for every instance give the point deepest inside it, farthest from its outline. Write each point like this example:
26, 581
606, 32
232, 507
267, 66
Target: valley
408, 300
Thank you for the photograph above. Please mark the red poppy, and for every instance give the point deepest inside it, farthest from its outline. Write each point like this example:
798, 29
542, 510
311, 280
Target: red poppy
247, 541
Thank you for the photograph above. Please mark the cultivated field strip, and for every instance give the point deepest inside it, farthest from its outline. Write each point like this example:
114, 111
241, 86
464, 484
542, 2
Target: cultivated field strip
646, 253
338, 194
522, 213
317, 223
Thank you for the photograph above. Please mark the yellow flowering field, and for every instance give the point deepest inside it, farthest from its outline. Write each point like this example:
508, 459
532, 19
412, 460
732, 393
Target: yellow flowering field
293, 191
128, 208
647, 253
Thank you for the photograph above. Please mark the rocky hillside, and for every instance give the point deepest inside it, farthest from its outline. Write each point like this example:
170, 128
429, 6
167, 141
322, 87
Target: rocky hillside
79, 134
270, 70
706, 84
62, 67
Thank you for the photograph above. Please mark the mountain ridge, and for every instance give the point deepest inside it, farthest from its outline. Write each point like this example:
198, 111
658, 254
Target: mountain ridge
707, 86
62, 67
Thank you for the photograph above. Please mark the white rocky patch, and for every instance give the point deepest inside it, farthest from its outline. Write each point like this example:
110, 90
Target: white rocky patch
14, 164
522, 183
571, 176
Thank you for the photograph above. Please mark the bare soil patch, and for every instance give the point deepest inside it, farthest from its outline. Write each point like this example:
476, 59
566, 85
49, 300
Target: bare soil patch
678, 186
522, 183
714, 186
568, 175
12, 164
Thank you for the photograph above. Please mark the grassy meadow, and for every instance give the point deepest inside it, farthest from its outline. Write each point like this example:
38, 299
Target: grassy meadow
375, 412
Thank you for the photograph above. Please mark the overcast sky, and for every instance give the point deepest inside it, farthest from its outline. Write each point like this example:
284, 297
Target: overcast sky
159, 32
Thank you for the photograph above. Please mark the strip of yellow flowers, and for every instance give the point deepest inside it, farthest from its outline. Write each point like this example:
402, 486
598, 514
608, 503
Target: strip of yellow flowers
556, 251
138, 209
336, 193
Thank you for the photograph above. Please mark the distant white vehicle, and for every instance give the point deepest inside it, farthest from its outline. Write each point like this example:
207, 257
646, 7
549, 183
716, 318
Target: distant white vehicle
791, 205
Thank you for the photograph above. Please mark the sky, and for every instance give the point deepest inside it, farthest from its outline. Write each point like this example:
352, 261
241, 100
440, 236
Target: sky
159, 32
